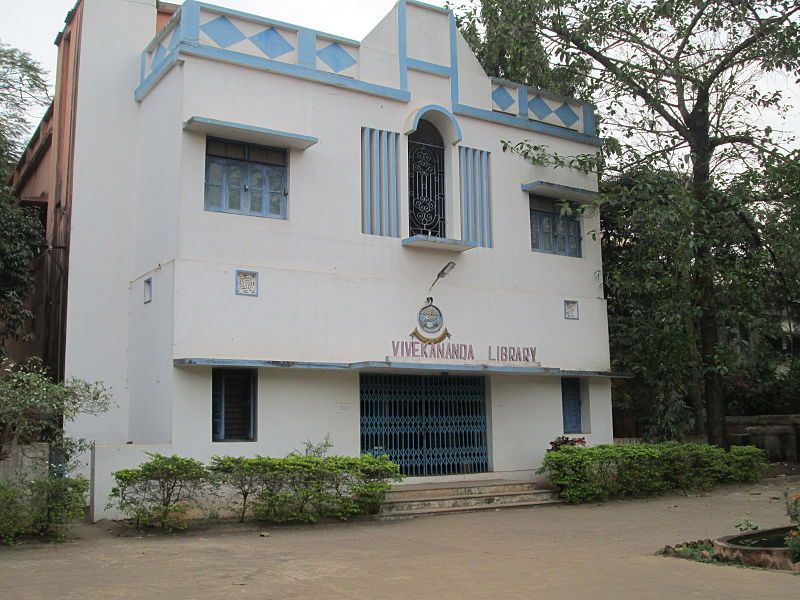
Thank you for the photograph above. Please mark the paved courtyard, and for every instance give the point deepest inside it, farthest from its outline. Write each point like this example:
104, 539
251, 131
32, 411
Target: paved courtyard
592, 552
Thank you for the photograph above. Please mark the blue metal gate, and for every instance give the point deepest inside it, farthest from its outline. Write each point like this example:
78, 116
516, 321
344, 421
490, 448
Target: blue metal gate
429, 425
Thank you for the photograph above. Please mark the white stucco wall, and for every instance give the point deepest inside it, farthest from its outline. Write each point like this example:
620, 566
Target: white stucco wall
292, 407
327, 292
105, 183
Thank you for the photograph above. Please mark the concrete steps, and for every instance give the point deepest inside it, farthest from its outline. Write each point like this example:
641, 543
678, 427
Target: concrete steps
423, 499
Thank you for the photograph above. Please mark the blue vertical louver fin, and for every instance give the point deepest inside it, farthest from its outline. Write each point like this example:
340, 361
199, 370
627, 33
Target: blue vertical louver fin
476, 204
379, 182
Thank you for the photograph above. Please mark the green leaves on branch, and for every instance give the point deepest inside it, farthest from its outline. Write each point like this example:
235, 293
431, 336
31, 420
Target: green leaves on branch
33, 408
540, 156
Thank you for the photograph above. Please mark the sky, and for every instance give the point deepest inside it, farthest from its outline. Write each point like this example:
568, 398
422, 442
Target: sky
32, 25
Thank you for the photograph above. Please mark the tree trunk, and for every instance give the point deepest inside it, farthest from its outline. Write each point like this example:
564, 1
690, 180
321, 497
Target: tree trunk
708, 328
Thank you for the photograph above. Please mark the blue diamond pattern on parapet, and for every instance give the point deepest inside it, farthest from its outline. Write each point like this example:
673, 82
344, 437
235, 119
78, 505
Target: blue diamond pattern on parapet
336, 57
566, 114
223, 32
539, 107
502, 98
271, 43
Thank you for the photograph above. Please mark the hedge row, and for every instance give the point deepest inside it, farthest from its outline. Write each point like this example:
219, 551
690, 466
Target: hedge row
164, 489
42, 507
600, 472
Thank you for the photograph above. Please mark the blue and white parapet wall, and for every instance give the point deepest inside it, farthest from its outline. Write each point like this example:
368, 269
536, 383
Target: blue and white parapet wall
378, 65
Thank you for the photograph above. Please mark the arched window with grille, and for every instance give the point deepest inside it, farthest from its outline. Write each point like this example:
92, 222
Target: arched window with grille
426, 184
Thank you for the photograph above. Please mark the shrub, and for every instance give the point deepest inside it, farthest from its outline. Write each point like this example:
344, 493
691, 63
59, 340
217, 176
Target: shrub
160, 491
793, 544
299, 487
243, 475
41, 507
306, 488
13, 513
55, 502
590, 474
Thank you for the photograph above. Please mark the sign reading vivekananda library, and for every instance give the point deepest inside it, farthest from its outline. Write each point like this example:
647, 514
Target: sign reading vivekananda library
416, 349
428, 341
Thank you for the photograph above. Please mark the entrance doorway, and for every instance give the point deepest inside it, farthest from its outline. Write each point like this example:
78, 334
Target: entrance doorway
427, 424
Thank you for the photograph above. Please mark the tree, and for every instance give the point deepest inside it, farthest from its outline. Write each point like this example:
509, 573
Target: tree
22, 86
33, 408
677, 81
490, 29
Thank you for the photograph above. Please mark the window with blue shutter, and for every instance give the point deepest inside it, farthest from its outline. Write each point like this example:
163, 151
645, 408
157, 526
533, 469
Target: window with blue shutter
571, 405
233, 405
245, 179
551, 231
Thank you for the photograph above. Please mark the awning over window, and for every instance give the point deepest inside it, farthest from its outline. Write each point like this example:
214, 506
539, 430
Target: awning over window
390, 365
558, 191
249, 133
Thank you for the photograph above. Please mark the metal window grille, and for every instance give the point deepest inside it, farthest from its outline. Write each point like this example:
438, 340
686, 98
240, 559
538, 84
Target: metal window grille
428, 425
571, 405
233, 405
426, 184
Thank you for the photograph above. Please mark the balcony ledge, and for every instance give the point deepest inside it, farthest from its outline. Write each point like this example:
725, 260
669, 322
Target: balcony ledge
437, 243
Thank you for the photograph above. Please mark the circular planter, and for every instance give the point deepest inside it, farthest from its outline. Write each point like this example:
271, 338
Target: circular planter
737, 548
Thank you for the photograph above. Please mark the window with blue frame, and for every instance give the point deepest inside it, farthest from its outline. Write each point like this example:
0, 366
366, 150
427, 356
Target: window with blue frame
245, 179
233, 405
571, 405
551, 231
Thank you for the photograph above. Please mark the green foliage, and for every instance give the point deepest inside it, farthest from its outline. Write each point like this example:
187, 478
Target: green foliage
699, 550
700, 210
746, 525
793, 506
21, 236
160, 491
243, 475
13, 513
33, 408
497, 33
793, 544
22, 86
299, 487
42, 507
641, 470
306, 488
54, 502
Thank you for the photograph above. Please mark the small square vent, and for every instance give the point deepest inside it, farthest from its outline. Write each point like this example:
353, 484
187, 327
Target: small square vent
571, 310
247, 283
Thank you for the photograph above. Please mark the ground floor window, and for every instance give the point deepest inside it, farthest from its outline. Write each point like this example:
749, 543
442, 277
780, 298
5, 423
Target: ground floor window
233, 405
571, 405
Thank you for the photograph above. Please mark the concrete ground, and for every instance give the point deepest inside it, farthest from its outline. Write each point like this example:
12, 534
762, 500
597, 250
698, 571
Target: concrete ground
590, 552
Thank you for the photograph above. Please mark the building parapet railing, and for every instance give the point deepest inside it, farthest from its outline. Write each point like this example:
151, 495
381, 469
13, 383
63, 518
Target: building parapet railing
231, 36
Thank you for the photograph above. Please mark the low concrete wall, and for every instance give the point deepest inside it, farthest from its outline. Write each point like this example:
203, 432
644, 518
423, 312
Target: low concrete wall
25, 462
778, 435
107, 458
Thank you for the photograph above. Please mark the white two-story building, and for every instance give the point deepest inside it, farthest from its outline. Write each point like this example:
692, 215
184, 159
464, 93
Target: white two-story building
259, 211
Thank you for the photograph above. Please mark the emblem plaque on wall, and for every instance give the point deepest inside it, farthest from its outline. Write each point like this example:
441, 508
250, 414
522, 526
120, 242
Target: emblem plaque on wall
430, 324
